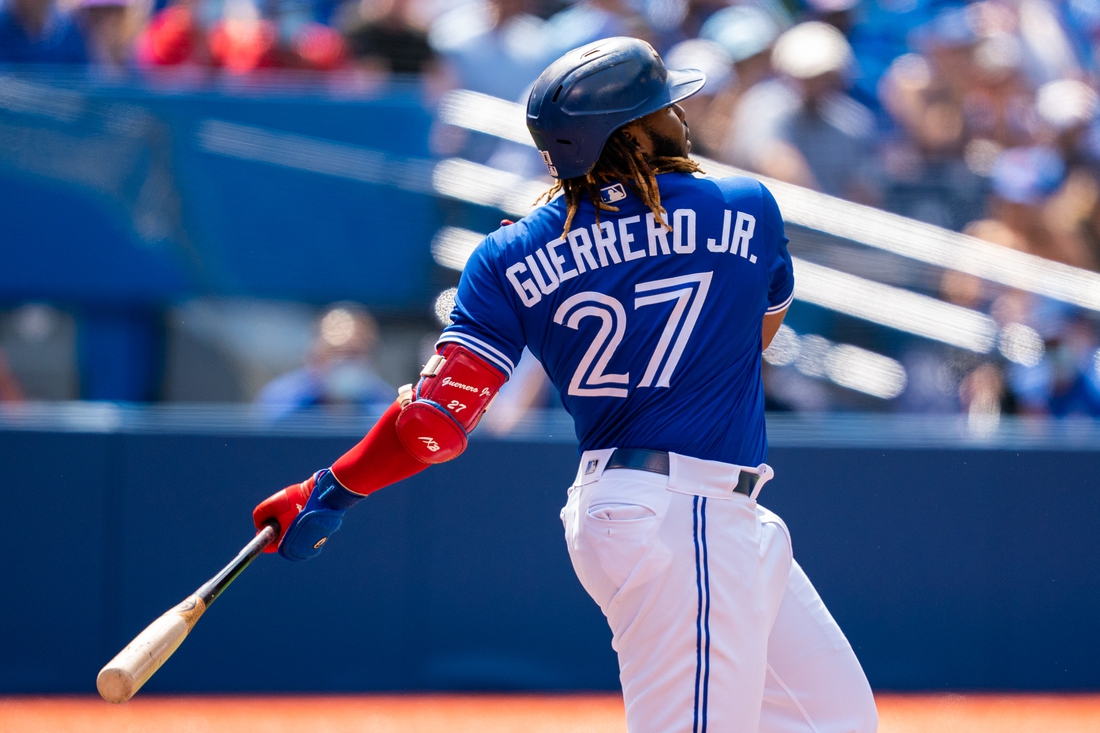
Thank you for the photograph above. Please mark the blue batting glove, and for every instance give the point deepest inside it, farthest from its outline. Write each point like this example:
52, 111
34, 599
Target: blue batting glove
319, 518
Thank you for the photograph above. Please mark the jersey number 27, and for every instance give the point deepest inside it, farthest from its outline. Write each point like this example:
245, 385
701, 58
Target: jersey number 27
687, 291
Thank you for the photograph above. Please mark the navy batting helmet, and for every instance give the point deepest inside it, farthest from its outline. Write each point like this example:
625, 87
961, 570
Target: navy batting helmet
594, 90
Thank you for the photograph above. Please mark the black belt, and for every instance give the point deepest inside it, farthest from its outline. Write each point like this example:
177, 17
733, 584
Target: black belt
656, 461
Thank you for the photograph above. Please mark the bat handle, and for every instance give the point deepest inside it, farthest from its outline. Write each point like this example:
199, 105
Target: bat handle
213, 588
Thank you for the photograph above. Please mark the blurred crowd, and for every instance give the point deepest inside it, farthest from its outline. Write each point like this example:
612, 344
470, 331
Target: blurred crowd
978, 117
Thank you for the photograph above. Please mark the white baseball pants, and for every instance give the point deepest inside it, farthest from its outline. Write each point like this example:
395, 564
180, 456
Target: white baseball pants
716, 627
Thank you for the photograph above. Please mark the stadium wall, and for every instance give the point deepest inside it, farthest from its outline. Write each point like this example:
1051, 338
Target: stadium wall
950, 564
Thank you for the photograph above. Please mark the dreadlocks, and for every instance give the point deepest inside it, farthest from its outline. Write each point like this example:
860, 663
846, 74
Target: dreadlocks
623, 161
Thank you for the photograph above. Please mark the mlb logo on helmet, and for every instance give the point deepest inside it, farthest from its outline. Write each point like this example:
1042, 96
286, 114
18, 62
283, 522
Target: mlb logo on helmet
549, 163
611, 194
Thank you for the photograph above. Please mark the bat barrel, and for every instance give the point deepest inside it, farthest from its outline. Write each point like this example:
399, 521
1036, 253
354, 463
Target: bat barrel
135, 664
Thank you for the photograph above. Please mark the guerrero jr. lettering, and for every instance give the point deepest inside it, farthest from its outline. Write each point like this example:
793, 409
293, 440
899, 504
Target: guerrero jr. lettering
448, 382
607, 243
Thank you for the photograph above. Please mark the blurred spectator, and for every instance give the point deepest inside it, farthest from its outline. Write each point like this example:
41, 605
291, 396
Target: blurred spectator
591, 20
788, 390
312, 45
677, 20
174, 37
879, 33
37, 32
304, 36
998, 103
1063, 377
1082, 27
1024, 182
1067, 109
1046, 49
840, 14
108, 27
981, 393
931, 382
948, 42
239, 38
708, 121
10, 389
242, 40
803, 128
746, 35
338, 369
495, 47
384, 39
927, 174
940, 378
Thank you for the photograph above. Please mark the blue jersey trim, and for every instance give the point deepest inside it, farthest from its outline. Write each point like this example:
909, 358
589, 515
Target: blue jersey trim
782, 306
479, 347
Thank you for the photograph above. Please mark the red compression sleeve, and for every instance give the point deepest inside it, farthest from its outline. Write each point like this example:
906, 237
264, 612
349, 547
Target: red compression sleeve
379, 459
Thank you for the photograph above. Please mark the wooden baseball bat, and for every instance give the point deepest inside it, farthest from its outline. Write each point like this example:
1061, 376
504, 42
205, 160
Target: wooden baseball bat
135, 664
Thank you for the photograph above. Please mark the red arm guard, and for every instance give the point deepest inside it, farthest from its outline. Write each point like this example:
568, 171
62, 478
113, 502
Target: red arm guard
454, 391
379, 459
455, 388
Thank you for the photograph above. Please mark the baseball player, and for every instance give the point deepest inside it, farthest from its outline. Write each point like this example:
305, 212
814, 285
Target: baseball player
648, 294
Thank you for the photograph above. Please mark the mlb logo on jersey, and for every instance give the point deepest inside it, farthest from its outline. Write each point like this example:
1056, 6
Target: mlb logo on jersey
591, 467
611, 194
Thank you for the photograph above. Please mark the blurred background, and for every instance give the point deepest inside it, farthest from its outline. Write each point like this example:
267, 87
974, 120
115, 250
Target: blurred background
238, 202
230, 229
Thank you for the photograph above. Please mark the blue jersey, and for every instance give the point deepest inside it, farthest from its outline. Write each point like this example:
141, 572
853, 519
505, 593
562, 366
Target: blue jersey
652, 337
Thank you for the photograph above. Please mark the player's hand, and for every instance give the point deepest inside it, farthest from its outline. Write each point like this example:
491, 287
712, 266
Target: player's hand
282, 507
312, 523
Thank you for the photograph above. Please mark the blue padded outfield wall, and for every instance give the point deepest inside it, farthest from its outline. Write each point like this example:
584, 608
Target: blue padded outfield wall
952, 561
118, 200
137, 194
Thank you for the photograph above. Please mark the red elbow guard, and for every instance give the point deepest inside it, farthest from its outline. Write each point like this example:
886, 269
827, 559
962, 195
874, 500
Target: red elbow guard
455, 388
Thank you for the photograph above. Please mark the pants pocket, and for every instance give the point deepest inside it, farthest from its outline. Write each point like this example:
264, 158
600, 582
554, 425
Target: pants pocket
613, 544
619, 512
